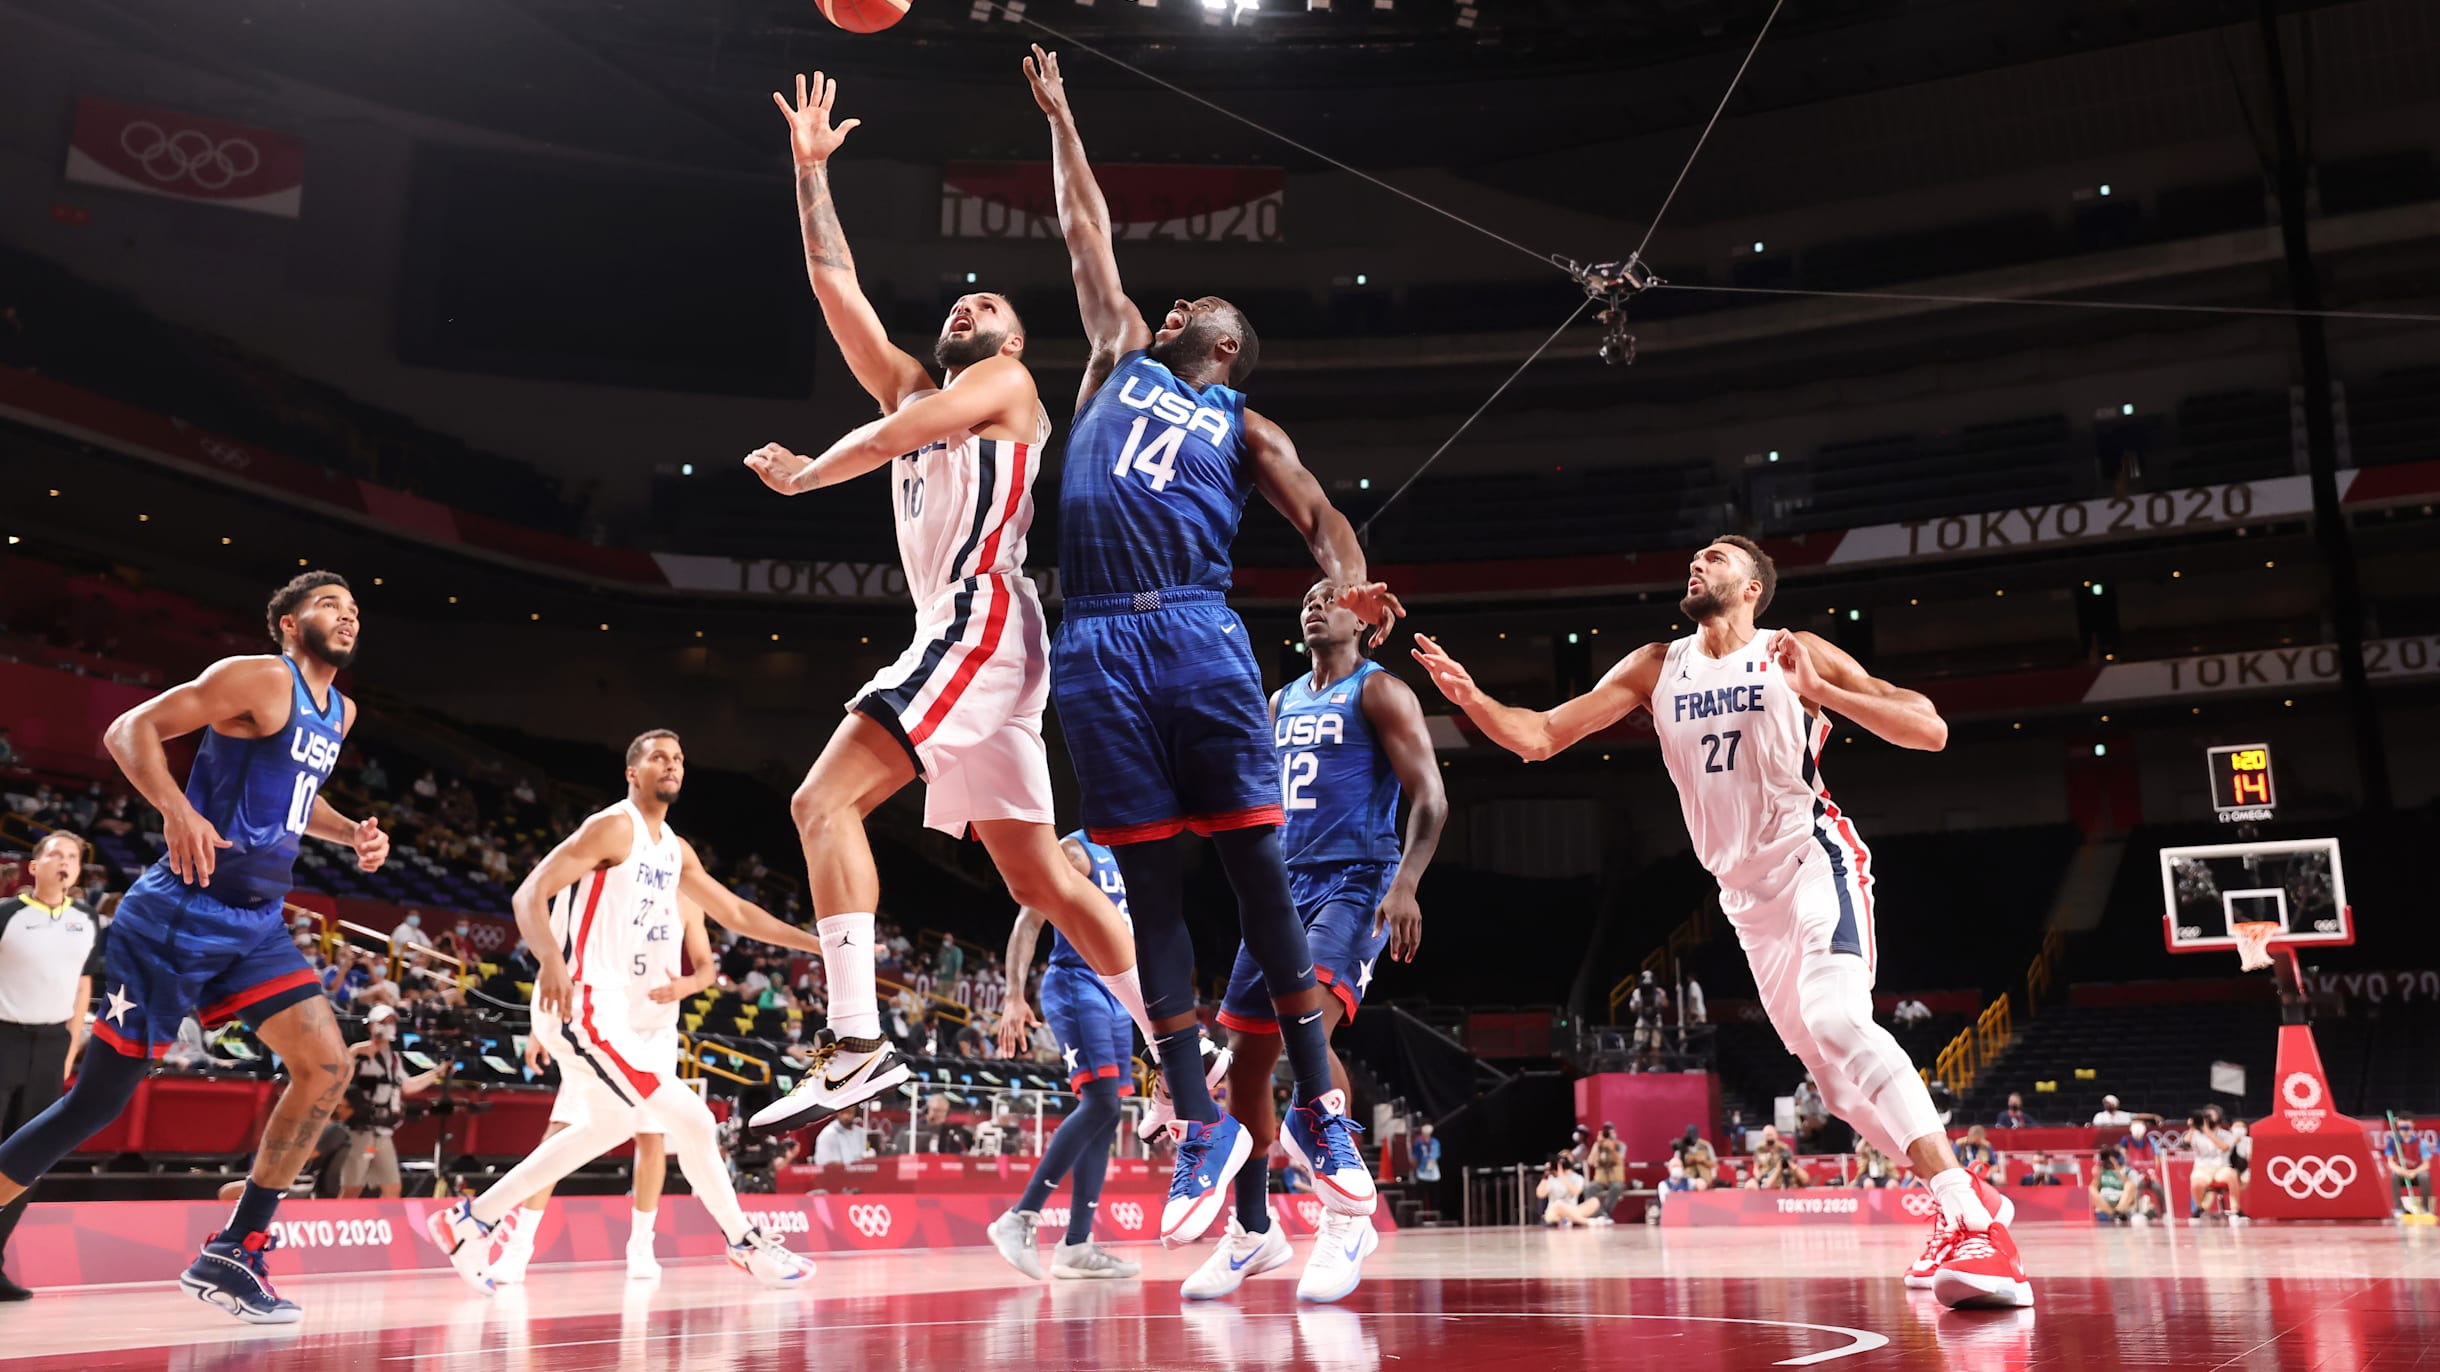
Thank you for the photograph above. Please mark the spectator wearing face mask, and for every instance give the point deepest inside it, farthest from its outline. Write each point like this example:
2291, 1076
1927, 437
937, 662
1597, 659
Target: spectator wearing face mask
377, 1096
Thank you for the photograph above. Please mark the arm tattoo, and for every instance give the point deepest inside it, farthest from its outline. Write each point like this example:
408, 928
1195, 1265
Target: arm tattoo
825, 242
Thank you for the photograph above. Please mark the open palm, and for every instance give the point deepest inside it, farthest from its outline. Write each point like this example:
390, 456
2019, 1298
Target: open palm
810, 133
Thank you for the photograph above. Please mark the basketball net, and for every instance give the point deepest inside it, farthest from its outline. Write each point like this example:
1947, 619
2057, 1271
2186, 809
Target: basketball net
2254, 944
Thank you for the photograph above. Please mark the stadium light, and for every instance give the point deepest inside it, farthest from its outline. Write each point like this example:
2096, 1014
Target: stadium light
2101, 750
2105, 188
686, 469
1362, 279
1757, 245
1363, 483
2126, 408
1774, 454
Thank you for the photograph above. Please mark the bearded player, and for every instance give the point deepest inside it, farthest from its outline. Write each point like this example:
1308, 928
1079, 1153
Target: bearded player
1742, 715
617, 882
962, 707
1157, 687
202, 932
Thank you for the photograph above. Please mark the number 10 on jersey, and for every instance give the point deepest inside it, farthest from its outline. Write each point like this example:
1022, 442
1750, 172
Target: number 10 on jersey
1157, 459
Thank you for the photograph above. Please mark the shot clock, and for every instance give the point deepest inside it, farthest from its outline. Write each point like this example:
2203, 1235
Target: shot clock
2242, 791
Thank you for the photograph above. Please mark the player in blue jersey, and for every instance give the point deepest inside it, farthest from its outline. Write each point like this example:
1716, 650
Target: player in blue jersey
202, 933
1097, 1046
1154, 681
1350, 739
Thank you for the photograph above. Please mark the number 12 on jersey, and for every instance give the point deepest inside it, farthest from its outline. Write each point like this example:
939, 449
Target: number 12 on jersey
1158, 459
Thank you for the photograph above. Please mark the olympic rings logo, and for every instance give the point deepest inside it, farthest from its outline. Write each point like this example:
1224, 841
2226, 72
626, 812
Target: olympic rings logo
1920, 1204
1128, 1214
872, 1221
2300, 1091
2301, 1177
189, 155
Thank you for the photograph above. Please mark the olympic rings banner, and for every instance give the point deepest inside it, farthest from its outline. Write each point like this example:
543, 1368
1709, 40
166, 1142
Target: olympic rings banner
153, 151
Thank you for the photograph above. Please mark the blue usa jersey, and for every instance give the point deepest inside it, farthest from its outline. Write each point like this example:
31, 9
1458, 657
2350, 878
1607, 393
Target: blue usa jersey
259, 793
1105, 876
1335, 782
1154, 486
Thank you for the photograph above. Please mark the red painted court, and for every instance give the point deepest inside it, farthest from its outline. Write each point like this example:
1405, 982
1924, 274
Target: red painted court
2263, 1296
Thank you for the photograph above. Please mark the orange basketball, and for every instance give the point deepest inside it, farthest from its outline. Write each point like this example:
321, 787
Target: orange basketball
863, 16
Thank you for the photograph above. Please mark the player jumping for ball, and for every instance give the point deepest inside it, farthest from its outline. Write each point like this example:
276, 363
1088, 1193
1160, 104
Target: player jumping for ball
962, 707
1156, 684
1742, 715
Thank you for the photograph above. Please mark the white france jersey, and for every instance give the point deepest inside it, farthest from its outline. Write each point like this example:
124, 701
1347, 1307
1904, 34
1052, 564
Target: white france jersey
1746, 756
964, 508
619, 927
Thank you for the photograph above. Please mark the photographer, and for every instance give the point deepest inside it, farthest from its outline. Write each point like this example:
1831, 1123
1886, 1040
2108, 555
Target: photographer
1562, 1191
1694, 1154
2216, 1178
376, 1099
1775, 1165
1645, 1004
1608, 1165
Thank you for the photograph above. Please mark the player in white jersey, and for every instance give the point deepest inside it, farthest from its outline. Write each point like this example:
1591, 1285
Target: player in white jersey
1742, 715
667, 986
962, 707
619, 877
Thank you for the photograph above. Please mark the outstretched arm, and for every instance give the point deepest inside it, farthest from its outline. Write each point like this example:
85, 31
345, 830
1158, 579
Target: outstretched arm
1281, 477
1535, 735
1396, 718
990, 388
885, 371
1826, 676
747, 918
1112, 324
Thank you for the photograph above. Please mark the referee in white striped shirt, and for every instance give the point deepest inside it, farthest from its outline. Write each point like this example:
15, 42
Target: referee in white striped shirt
47, 966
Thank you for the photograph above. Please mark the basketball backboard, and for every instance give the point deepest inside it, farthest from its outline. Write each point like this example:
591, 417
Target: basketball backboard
2297, 884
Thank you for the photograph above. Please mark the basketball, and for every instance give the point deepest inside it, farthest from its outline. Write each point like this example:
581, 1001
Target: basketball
863, 16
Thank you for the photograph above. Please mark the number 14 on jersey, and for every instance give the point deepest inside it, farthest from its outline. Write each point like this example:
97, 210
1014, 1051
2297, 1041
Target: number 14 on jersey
1157, 459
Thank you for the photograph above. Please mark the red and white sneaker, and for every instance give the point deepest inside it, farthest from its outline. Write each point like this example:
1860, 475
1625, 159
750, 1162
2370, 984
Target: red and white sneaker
1935, 1252
1982, 1269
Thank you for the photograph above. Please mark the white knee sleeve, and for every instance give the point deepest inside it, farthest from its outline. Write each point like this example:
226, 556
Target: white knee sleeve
557, 1156
1871, 1070
693, 1137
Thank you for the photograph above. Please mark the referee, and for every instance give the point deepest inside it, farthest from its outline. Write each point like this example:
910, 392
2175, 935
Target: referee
47, 966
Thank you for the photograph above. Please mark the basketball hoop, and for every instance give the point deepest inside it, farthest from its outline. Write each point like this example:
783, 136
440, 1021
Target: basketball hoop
2254, 943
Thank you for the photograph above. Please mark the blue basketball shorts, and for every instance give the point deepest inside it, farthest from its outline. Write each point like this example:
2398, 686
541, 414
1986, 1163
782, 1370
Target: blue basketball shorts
174, 951
1096, 1039
1338, 905
1165, 715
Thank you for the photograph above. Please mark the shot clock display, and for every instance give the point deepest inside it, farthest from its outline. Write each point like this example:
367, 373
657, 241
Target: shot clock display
2241, 786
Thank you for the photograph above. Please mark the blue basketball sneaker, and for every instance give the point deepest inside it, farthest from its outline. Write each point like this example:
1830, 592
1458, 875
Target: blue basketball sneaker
1322, 1138
1208, 1158
229, 1273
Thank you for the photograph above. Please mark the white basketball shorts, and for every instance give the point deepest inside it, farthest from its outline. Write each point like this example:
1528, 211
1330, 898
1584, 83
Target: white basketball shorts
965, 700
598, 1071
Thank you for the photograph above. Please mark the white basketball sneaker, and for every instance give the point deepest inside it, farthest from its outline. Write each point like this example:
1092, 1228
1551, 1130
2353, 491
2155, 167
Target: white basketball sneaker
1239, 1256
768, 1261
510, 1269
844, 1072
641, 1264
1341, 1243
472, 1245
1090, 1261
1013, 1234
1160, 1110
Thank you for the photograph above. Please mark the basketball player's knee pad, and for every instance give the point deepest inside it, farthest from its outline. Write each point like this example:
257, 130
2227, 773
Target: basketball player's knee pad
105, 1081
1837, 1008
1097, 1103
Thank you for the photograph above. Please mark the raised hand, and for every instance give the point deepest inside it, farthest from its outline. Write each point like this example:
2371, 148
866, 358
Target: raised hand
778, 467
1446, 672
1372, 602
1050, 89
811, 135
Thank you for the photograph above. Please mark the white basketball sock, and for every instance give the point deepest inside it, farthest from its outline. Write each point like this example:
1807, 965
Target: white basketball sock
1129, 988
1954, 1189
640, 1236
847, 973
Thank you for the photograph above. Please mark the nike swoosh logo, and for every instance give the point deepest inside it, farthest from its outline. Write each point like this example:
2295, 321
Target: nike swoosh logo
1238, 1264
1355, 1250
1228, 628
1308, 1019
831, 1083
